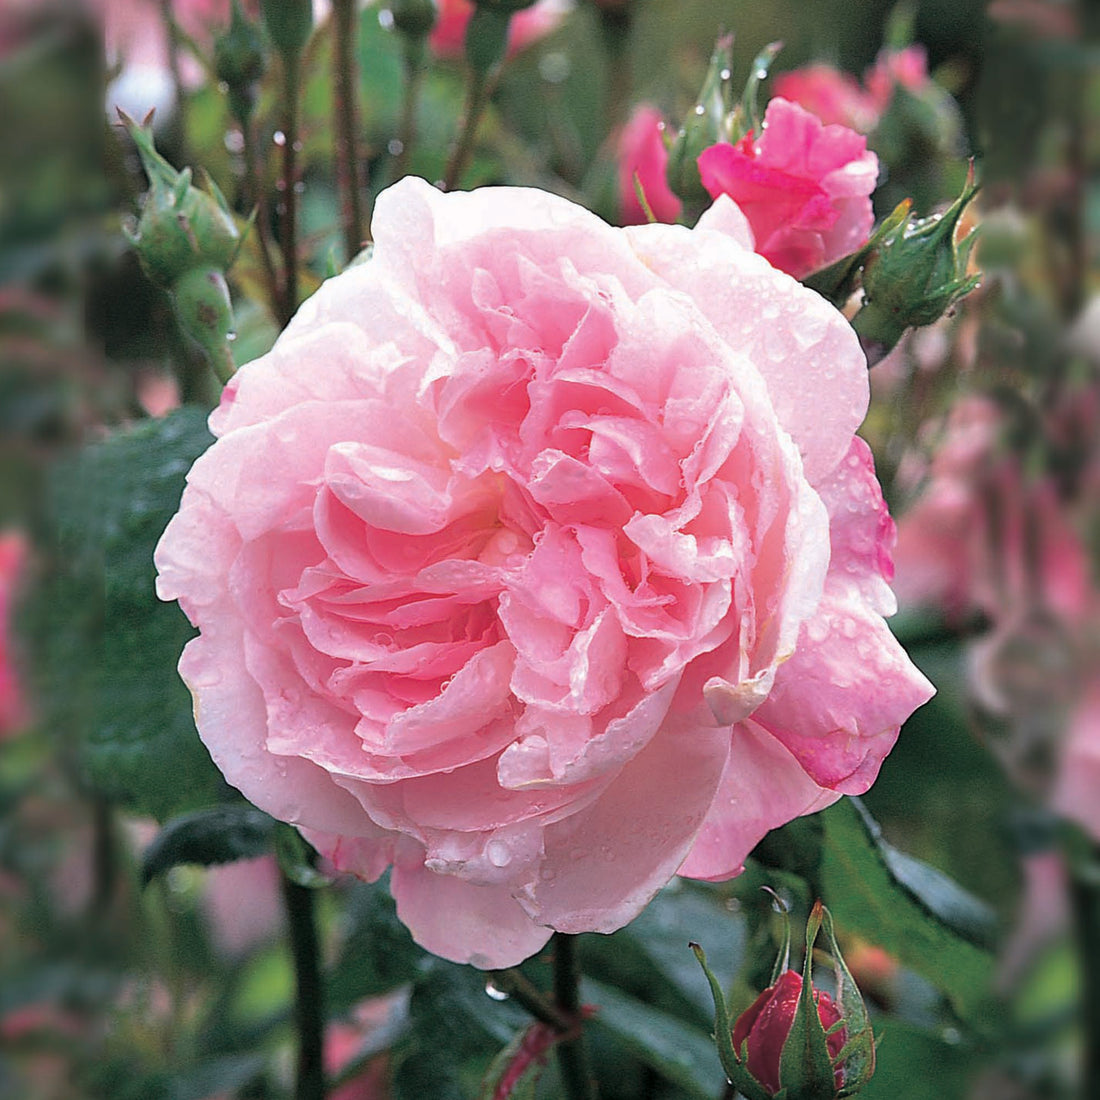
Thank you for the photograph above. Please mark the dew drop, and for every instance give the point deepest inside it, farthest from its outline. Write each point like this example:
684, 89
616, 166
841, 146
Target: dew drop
279, 137
725, 74
385, 18
498, 853
700, 109
494, 992
395, 147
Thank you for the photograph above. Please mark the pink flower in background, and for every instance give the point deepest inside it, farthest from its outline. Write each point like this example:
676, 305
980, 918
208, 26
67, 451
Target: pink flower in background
13, 558
838, 98
236, 926
907, 68
448, 36
834, 96
962, 545
1077, 789
539, 560
804, 187
642, 153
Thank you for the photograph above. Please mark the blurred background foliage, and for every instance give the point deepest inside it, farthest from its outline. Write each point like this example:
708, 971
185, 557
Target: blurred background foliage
181, 990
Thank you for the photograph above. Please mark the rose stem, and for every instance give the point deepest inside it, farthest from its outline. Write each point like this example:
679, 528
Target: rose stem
309, 1003
346, 125
477, 99
292, 74
525, 993
262, 228
576, 1072
414, 68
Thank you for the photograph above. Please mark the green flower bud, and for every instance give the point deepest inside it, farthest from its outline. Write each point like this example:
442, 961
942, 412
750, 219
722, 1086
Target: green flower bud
239, 61
915, 276
181, 227
707, 125
289, 24
487, 38
414, 18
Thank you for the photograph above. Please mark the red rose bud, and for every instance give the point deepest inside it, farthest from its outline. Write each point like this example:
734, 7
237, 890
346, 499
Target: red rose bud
796, 1041
914, 276
762, 1030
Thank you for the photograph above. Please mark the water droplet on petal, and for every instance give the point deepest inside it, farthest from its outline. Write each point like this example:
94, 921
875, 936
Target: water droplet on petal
494, 992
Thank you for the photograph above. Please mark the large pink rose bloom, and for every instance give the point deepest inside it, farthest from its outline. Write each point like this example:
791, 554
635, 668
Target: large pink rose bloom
804, 187
539, 560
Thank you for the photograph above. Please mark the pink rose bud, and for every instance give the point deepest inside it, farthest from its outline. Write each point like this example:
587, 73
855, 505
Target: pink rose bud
762, 1029
643, 158
804, 187
13, 557
834, 96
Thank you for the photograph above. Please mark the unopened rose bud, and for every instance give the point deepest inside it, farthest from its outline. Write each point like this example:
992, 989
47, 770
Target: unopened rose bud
762, 1030
487, 32
180, 227
413, 18
239, 61
915, 276
796, 1041
289, 24
186, 239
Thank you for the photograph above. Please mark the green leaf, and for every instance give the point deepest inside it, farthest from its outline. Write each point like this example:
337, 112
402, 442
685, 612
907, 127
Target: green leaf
106, 647
923, 918
679, 1052
222, 834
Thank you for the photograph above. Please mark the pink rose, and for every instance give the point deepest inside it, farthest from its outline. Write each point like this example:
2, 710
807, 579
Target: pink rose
1076, 791
642, 153
448, 37
539, 560
835, 97
907, 68
804, 187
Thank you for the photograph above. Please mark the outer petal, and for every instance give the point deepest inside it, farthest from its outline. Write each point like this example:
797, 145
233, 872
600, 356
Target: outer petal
480, 925
809, 356
762, 787
838, 703
603, 864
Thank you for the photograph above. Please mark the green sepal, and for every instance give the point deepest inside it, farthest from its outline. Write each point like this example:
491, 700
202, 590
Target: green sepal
783, 959
857, 1056
732, 1062
805, 1068
746, 115
706, 125
838, 281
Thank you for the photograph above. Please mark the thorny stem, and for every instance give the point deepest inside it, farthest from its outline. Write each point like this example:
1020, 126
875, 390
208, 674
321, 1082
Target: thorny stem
346, 124
309, 1002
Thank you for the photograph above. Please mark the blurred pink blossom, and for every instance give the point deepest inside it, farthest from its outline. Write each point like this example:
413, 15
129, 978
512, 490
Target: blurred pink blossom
448, 37
642, 153
13, 559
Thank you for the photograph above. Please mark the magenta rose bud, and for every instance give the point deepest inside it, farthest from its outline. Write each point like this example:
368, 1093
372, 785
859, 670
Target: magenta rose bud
766, 1023
804, 187
540, 561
